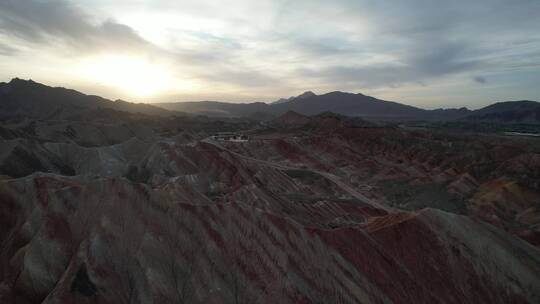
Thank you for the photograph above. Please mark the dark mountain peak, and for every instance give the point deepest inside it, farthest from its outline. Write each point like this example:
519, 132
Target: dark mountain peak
348, 104
510, 106
338, 93
18, 82
25, 87
306, 94
521, 111
515, 103
32, 99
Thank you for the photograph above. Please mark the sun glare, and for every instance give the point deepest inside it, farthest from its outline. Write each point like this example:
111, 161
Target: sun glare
134, 75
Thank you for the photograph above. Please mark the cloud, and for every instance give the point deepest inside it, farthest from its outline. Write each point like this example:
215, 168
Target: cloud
60, 22
41, 22
250, 78
418, 64
437, 58
480, 79
283, 47
6, 50
427, 42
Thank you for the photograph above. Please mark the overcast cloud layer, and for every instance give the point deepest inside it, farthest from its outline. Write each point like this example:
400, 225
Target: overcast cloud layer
422, 52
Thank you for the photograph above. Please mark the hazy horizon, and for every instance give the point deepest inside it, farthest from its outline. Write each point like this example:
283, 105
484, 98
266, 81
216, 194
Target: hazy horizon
420, 53
265, 101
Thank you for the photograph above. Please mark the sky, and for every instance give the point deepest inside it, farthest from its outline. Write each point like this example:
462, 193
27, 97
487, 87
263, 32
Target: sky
426, 53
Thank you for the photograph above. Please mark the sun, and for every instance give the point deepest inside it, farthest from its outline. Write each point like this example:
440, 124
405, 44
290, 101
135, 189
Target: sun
134, 75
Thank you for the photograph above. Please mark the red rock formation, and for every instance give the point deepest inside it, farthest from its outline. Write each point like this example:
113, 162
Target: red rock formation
234, 230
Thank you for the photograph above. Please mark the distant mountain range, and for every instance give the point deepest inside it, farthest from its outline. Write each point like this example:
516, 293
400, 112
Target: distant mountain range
309, 103
364, 106
26, 98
